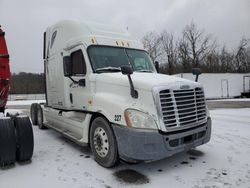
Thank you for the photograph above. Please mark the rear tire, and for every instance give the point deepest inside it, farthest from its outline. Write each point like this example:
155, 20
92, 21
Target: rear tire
25, 139
33, 113
40, 117
7, 142
103, 143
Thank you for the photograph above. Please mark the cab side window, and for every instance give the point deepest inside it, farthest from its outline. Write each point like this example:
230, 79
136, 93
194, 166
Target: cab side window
53, 38
78, 63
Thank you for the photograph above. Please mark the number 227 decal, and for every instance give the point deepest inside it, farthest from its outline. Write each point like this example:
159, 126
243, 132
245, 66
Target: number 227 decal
118, 117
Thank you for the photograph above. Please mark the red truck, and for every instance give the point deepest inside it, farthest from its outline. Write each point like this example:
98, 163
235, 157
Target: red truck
16, 134
4, 72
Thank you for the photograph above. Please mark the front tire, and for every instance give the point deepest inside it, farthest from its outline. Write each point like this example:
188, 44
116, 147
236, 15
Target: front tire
103, 143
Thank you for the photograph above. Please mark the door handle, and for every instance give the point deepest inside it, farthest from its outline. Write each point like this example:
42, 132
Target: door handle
71, 98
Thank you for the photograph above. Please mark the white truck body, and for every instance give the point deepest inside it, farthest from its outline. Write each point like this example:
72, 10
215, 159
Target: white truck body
171, 113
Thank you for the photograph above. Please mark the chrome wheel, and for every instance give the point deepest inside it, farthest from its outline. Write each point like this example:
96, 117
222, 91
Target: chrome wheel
101, 143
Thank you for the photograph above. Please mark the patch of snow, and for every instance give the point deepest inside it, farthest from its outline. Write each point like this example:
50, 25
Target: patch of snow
24, 102
223, 162
13, 111
234, 100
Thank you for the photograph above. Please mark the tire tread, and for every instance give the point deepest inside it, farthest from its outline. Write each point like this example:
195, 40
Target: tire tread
25, 139
7, 142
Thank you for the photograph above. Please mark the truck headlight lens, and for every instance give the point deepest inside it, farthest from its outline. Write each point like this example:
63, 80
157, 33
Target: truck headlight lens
137, 119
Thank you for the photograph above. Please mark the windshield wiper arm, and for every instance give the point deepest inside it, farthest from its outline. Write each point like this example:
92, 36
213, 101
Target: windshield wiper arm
144, 70
108, 69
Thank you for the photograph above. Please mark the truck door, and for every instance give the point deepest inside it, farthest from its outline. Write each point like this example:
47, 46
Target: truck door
79, 91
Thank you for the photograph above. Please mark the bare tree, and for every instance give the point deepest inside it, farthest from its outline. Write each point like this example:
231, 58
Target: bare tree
21, 83
196, 49
197, 43
170, 50
226, 60
183, 54
152, 44
248, 59
242, 60
212, 62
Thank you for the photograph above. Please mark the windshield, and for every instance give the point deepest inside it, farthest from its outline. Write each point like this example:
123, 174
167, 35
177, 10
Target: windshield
110, 59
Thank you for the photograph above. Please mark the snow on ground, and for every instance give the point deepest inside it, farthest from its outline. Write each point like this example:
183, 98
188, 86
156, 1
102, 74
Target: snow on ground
223, 162
24, 102
232, 100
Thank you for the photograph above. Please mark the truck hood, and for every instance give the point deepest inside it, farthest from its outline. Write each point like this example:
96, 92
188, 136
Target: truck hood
144, 81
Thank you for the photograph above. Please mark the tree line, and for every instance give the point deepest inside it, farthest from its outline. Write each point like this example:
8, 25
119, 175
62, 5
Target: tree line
195, 48
27, 83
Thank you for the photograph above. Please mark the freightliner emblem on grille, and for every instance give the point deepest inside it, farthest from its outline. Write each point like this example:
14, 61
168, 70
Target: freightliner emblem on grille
184, 87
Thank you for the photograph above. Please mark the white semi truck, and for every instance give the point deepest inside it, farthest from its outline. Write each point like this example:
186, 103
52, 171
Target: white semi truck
102, 90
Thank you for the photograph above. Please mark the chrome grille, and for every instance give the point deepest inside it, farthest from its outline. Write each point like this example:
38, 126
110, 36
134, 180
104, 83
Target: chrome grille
182, 107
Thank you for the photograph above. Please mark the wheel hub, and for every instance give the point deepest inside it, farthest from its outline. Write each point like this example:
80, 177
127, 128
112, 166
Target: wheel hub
101, 143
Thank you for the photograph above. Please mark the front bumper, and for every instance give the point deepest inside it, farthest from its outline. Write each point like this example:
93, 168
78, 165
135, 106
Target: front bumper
136, 145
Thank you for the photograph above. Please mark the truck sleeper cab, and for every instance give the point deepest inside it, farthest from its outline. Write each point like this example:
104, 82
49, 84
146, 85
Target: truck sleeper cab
102, 90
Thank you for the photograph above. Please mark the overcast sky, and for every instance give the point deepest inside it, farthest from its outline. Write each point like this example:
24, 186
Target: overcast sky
24, 21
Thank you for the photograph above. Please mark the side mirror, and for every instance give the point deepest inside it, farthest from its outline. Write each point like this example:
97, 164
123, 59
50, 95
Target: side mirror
67, 68
196, 72
126, 70
157, 67
82, 82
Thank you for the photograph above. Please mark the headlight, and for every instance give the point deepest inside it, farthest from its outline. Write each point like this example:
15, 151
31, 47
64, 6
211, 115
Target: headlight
137, 119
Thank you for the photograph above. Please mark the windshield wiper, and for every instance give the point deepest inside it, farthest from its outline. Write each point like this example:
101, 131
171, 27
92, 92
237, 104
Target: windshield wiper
144, 70
108, 69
